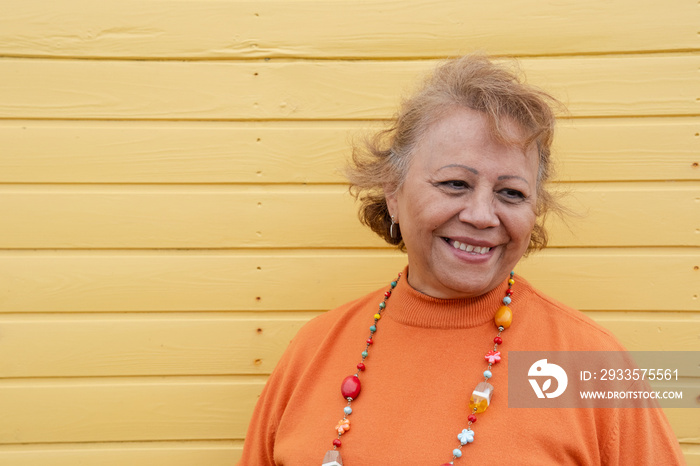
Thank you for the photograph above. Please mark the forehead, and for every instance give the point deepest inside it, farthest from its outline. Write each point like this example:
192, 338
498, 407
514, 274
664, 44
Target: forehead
467, 135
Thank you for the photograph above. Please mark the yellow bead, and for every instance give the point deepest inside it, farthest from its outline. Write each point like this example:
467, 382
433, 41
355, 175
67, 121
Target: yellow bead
377, 316
503, 317
511, 281
481, 397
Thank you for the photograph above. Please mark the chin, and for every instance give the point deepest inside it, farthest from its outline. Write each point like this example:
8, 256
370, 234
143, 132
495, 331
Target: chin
448, 285
462, 289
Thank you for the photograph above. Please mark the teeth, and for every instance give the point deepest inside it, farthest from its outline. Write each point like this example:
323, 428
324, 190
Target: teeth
470, 248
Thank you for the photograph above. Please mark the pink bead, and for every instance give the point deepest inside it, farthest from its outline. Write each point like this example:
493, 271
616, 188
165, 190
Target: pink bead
471, 418
361, 366
498, 340
350, 387
337, 442
493, 357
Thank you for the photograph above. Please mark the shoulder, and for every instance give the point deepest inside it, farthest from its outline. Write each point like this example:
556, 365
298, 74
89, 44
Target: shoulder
347, 318
549, 317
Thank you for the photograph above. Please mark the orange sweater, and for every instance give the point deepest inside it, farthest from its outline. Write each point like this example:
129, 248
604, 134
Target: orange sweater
427, 357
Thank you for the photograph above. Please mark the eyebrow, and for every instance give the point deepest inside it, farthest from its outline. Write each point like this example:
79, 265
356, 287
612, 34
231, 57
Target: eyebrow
476, 172
510, 177
456, 165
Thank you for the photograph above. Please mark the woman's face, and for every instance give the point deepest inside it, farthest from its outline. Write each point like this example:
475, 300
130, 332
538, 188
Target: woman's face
466, 208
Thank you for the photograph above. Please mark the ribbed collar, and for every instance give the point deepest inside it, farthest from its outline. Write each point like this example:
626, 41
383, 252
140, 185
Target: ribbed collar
411, 307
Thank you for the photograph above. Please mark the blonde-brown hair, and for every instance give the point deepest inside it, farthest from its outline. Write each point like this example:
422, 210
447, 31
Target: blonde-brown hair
471, 81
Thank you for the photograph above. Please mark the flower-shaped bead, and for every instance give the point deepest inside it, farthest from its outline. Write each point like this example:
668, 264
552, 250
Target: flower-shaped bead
343, 426
467, 436
493, 357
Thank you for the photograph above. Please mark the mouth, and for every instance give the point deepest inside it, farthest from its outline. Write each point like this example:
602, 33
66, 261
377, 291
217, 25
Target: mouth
470, 248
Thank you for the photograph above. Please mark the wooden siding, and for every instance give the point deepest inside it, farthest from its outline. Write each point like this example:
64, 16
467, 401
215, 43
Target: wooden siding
170, 179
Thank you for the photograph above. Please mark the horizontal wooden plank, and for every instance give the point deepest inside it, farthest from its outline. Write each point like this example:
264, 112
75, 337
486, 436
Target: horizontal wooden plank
629, 214
626, 150
653, 331
639, 214
81, 345
684, 423
131, 409
691, 451
98, 410
294, 152
183, 453
91, 281
386, 28
561, 273
302, 90
149, 344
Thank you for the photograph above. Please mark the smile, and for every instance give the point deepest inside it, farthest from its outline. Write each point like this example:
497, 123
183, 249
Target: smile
468, 247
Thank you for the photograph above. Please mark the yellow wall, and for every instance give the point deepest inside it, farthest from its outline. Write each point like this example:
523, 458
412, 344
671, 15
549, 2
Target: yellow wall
172, 211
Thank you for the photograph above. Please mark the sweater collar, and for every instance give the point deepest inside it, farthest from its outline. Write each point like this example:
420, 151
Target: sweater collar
411, 307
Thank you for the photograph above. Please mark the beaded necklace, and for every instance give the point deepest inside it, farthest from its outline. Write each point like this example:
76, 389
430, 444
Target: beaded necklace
480, 398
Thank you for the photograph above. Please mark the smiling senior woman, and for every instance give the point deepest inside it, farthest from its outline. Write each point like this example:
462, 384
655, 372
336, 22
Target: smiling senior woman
458, 181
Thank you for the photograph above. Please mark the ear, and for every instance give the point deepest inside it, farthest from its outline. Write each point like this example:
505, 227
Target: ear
392, 202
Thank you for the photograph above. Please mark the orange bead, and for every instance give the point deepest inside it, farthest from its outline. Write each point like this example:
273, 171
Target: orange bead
504, 317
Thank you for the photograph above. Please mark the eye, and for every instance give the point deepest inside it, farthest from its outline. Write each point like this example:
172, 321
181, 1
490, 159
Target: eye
456, 185
512, 194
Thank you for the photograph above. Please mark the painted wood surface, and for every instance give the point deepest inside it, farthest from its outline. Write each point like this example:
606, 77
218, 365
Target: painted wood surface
663, 279
172, 453
170, 190
218, 217
95, 152
350, 29
90, 345
321, 90
135, 409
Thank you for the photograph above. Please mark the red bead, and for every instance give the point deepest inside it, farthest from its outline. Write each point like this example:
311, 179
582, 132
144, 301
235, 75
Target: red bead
471, 418
509, 292
369, 341
498, 340
387, 293
350, 387
361, 366
337, 442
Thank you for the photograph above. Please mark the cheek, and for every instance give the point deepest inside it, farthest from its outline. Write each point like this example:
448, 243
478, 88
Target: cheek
520, 227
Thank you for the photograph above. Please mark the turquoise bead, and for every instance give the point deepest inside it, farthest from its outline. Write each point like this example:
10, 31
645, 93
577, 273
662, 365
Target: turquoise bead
507, 300
373, 328
382, 305
347, 410
393, 284
487, 374
364, 354
457, 453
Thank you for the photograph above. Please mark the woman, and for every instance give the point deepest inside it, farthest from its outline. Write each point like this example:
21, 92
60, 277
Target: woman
459, 183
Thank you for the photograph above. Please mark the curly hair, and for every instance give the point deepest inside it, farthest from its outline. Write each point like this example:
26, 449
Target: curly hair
381, 161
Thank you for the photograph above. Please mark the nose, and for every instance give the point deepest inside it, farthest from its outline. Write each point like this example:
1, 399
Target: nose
479, 211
